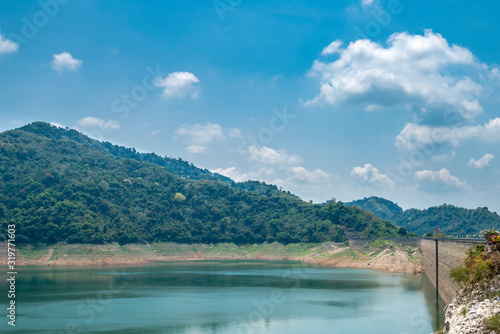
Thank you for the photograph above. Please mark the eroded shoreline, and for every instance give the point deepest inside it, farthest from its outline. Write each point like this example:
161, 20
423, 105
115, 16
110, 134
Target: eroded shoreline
379, 255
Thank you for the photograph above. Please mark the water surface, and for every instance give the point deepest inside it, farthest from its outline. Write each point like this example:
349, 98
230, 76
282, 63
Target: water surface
221, 297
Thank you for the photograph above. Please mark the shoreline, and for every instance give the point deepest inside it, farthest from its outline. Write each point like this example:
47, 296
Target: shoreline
383, 256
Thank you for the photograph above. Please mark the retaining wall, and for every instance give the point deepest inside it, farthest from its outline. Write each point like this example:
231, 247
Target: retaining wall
451, 253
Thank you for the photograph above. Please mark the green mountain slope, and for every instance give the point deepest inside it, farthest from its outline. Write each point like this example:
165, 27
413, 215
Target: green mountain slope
176, 166
380, 207
59, 185
450, 220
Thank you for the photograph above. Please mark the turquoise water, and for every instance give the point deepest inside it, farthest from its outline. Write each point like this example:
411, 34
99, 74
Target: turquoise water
220, 297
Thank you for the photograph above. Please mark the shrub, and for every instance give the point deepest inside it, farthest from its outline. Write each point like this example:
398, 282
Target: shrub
476, 269
492, 237
492, 324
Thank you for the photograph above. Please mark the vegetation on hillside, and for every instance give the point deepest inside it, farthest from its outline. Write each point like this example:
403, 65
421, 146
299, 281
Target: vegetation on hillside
177, 166
479, 279
492, 324
59, 185
450, 220
380, 207
478, 269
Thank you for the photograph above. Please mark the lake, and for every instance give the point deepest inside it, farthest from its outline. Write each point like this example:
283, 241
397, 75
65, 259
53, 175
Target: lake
221, 297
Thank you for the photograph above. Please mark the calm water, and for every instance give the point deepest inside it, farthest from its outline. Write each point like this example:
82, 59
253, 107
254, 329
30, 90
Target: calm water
220, 297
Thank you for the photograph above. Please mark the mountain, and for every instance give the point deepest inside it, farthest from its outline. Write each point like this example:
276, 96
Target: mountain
380, 207
60, 185
451, 220
177, 166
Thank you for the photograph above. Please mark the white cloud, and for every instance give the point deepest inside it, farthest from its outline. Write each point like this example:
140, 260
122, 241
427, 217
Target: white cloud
267, 155
422, 73
371, 175
333, 48
94, 122
155, 132
196, 149
232, 173
57, 125
65, 62
308, 183
482, 162
178, 84
303, 175
201, 134
372, 107
443, 157
235, 133
438, 180
296, 179
368, 3
415, 136
6, 45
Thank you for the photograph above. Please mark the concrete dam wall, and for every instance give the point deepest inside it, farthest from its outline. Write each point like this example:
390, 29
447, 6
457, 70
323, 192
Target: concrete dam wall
450, 255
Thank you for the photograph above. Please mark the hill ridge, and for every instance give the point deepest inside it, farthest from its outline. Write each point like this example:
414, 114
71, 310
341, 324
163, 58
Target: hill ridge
60, 185
450, 219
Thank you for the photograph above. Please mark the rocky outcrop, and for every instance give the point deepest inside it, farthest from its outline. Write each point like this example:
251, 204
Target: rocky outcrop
467, 312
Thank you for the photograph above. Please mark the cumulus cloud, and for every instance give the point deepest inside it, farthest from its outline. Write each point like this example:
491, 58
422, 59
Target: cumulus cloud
443, 157
438, 180
6, 45
484, 161
57, 125
196, 149
332, 48
306, 182
415, 136
371, 175
94, 122
65, 62
232, 173
178, 84
235, 133
201, 134
303, 175
422, 73
267, 155
368, 3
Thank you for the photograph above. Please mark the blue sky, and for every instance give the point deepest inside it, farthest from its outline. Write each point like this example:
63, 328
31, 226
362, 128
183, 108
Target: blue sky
330, 99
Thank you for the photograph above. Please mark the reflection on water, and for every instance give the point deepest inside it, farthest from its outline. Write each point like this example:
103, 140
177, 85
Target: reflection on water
222, 297
435, 304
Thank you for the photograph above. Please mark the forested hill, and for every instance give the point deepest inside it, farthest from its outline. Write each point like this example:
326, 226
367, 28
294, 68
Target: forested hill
176, 166
381, 207
451, 220
59, 185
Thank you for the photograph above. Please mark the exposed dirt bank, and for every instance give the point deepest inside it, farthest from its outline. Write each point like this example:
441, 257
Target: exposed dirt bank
379, 255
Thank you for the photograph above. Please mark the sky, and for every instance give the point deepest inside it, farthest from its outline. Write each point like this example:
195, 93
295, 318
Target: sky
326, 99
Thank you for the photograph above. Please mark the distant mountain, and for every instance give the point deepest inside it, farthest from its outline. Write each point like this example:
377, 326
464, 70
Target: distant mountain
380, 207
60, 185
450, 220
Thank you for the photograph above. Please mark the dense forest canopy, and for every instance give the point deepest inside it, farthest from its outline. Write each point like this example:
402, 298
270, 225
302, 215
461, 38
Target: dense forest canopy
450, 220
60, 185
